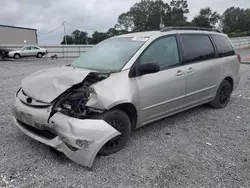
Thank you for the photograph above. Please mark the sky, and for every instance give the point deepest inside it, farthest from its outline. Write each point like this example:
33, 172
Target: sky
100, 15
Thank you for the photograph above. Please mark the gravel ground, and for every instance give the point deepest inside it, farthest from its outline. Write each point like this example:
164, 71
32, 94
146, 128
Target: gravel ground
201, 147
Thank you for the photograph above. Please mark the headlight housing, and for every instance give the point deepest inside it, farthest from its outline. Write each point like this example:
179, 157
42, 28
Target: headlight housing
73, 103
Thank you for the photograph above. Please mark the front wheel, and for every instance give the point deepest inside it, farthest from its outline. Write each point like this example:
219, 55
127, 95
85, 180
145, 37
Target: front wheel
17, 56
223, 95
39, 55
121, 122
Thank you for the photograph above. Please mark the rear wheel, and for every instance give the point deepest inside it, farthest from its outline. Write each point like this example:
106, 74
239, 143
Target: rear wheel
223, 95
17, 56
121, 122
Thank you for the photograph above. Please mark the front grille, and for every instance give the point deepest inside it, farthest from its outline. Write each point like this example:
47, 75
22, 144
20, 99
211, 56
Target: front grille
44, 133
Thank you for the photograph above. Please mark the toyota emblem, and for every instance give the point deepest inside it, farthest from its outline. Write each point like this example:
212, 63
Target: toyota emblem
29, 100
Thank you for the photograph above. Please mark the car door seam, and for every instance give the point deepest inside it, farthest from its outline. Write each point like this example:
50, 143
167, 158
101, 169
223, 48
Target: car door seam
201, 90
164, 102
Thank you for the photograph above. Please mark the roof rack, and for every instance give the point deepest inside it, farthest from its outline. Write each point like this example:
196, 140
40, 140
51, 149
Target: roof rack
190, 28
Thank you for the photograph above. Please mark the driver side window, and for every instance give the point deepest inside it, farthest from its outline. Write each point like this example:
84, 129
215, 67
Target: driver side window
164, 51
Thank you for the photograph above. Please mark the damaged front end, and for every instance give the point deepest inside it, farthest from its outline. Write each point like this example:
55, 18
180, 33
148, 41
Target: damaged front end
73, 101
67, 120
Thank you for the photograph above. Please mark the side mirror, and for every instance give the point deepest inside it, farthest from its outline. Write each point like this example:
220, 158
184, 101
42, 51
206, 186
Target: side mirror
148, 68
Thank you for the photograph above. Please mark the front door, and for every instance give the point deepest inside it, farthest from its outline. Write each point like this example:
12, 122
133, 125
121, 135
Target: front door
161, 93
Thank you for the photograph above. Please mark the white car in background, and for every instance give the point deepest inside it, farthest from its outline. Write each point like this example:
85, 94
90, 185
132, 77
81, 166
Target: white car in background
28, 51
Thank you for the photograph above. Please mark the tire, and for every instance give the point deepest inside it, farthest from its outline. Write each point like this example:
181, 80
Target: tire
223, 95
17, 56
39, 55
2, 54
121, 122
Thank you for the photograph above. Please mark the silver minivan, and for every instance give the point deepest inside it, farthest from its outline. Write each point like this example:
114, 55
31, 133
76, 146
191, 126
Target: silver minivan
125, 82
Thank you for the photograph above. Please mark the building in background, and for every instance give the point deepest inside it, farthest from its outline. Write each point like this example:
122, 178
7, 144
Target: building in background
12, 35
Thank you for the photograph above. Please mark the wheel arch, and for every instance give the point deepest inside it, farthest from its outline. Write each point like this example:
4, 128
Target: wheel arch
130, 110
230, 80
38, 53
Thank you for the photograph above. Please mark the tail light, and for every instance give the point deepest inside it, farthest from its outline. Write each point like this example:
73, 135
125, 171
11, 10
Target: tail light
239, 58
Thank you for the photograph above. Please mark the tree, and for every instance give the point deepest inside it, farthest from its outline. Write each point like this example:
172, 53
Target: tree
145, 15
69, 40
236, 21
232, 19
246, 21
206, 18
142, 16
175, 13
79, 37
125, 22
112, 32
83, 38
152, 15
98, 37
76, 36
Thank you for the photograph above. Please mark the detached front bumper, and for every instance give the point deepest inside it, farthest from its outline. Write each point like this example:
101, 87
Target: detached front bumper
79, 140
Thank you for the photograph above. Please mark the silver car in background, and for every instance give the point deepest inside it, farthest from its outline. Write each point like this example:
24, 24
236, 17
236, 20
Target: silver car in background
28, 51
123, 83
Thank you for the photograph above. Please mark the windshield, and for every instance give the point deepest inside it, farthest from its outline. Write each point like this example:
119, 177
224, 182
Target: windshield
110, 55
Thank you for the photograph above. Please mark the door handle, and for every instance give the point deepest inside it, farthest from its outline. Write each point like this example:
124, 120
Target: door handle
190, 70
179, 73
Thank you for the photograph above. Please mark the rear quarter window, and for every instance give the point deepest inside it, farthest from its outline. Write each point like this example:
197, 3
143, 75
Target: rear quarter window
223, 46
197, 47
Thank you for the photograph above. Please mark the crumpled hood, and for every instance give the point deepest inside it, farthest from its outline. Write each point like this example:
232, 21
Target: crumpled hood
47, 84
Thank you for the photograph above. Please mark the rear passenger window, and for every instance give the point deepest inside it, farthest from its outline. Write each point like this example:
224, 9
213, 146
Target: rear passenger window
224, 47
197, 48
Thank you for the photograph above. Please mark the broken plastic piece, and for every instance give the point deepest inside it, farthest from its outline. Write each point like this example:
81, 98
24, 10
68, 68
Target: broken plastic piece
208, 143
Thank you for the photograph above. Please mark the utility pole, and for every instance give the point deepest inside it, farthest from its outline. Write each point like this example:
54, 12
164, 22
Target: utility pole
65, 33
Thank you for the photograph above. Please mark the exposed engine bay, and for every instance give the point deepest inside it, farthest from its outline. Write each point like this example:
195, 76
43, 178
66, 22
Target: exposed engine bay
73, 101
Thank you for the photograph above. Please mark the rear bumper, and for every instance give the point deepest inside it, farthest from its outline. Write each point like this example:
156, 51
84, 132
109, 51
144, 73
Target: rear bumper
79, 140
44, 53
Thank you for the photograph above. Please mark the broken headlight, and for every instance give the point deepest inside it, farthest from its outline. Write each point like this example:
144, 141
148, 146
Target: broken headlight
73, 104
73, 101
